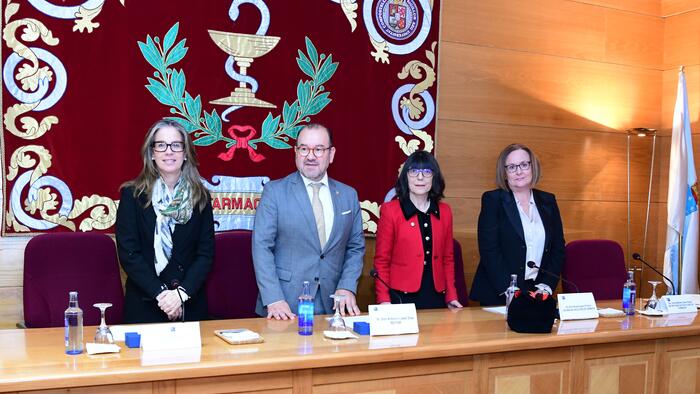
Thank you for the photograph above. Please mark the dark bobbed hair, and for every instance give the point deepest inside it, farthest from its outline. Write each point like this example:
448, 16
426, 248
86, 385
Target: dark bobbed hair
502, 176
420, 160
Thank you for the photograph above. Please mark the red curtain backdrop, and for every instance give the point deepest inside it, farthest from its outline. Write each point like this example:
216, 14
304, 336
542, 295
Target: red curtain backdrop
84, 79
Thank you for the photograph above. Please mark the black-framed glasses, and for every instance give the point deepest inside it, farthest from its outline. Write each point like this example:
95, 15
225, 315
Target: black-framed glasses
162, 146
304, 151
414, 172
512, 168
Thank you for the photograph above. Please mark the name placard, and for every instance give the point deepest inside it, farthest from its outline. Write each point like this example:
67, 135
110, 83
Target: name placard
392, 319
678, 304
574, 306
168, 336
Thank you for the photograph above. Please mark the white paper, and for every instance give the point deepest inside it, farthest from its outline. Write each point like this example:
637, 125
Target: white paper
100, 348
495, 309
575, 306
339, 334
392, 319
677, 304
610, 312
165, 336
240, 335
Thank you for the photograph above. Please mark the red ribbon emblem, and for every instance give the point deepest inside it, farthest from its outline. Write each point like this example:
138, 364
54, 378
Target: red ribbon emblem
242, 143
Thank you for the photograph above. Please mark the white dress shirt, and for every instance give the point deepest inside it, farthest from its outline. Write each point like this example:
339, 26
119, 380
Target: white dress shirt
324, 194
534, 233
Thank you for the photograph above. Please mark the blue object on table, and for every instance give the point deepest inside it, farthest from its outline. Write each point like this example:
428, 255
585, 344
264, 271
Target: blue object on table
132, 339
361, 327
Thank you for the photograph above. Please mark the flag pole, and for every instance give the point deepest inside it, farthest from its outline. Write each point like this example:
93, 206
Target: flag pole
680, 263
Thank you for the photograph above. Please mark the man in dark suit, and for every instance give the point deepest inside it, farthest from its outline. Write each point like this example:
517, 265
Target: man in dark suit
308, 227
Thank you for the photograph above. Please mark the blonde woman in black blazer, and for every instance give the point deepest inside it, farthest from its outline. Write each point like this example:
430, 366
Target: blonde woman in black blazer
503, 237
165, 231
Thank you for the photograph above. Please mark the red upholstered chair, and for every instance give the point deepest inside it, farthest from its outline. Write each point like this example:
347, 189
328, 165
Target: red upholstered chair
597, 266
460, 283
231, 287
55, 264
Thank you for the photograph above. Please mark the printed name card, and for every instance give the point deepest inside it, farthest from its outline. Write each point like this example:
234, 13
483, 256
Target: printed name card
574, 306
678, 304
165, 336
393, 319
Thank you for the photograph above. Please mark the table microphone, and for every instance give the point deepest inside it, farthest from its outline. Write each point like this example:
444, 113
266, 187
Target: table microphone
175, 283
637, 257
531, 264
373, 273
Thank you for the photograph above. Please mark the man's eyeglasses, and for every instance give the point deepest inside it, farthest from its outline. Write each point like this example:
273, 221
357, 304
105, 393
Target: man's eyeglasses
414, 172
512, 168
160, 146
305, 150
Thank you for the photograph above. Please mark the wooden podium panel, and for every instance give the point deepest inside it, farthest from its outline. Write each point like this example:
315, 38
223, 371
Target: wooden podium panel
467, 351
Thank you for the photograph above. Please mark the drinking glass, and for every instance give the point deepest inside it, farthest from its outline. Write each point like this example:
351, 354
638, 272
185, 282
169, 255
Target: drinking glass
336, 323
103, 334
652, 302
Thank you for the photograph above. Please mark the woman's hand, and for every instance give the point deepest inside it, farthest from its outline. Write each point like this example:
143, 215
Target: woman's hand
454, 304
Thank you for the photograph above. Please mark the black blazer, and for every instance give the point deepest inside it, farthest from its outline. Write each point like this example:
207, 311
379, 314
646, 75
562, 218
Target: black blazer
502, 245
191, 260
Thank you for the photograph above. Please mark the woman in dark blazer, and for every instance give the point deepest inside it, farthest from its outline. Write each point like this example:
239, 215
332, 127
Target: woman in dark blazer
517, 224
165, 231
414, 251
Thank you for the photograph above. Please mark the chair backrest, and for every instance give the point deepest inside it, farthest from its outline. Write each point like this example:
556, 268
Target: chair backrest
231, 287
597, 266
460, 283
55, 264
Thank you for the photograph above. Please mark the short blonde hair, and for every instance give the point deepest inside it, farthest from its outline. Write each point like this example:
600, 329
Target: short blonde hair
502, 176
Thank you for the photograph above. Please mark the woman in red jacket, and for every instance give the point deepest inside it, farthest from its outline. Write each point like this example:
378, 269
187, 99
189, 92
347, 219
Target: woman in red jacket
414, 252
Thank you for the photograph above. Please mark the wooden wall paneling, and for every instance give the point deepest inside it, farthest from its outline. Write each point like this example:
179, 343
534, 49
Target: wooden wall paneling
679, 366
132, 388
576, 164
501, 86
673, 7
649, 7
559, 28
352, 373
11, 307
12, 260
669, 89
528, 372
681, 40
273, 382
620, 367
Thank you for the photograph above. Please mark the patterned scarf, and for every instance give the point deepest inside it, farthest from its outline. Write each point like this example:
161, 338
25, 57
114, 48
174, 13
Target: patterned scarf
171, 209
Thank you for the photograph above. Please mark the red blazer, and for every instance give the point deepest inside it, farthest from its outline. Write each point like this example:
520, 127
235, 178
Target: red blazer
399, 252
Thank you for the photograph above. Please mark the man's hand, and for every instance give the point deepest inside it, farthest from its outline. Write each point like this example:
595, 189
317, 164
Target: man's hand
348, 302
279, 310
169, 302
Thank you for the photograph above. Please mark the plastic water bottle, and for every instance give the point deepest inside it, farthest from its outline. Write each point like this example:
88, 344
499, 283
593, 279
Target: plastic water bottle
73, 320
305, 311
629, 294
512, 289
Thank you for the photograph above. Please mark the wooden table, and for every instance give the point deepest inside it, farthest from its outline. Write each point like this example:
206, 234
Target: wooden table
468, 351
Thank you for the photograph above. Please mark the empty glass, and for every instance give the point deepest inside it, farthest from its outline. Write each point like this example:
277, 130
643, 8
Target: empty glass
103, 334
652, 302
336, 323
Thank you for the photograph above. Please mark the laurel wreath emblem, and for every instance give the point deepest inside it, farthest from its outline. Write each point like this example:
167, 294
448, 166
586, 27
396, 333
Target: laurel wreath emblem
168, 87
